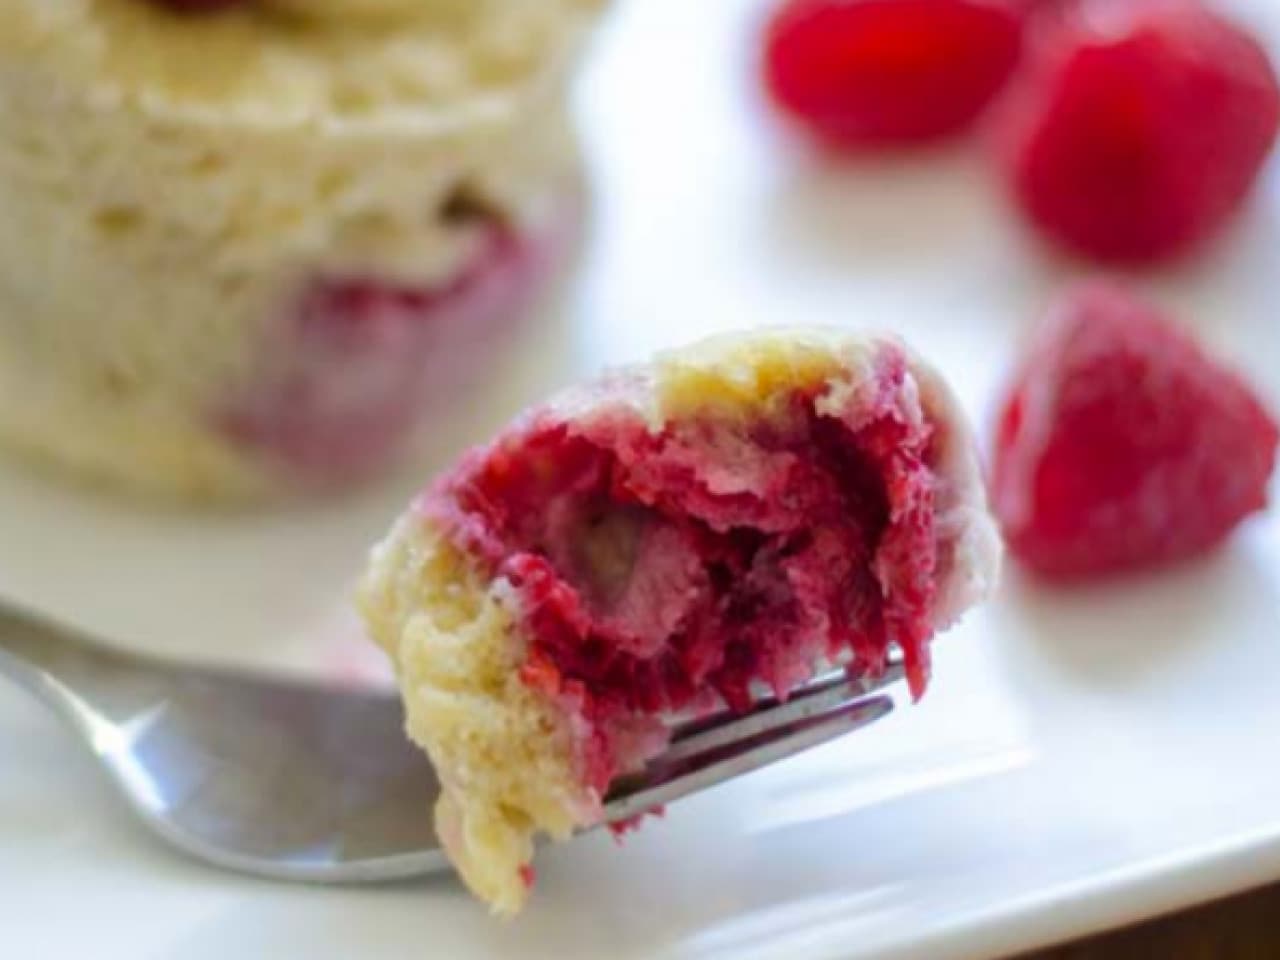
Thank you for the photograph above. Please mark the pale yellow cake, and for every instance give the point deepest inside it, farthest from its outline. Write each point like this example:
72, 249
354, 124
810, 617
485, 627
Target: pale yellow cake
465, 621
197, 206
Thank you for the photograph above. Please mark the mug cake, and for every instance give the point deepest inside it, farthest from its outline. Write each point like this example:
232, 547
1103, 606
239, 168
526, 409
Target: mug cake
248, 244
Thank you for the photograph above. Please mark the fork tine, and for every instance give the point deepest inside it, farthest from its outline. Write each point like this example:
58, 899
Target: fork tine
666, 780
817, 696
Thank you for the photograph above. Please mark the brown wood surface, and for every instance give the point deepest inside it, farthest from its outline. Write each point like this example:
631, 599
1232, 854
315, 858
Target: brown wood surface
1242, 928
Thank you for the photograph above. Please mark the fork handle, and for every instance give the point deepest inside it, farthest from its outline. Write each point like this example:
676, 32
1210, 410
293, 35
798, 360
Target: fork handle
59, 665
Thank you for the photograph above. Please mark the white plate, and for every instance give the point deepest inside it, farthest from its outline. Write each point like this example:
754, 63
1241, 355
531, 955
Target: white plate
1084, 759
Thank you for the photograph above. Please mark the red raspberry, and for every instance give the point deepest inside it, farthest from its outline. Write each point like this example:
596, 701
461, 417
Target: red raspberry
1139, 127
1123, 445
878, 72
361, 357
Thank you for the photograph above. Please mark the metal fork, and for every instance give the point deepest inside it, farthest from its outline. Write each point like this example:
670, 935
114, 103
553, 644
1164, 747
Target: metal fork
301, 782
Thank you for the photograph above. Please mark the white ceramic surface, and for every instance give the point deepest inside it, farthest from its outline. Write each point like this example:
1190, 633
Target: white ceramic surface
1083, 760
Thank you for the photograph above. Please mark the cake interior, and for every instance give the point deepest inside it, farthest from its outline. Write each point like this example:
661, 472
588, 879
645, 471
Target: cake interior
359, 357
659, 571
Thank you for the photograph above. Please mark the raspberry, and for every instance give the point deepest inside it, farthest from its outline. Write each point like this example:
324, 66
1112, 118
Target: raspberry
1123, 446
1139, 128
883, 72
528, 876
361, 356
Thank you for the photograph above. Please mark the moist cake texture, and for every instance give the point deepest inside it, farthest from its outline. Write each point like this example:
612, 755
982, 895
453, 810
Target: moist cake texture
668, 540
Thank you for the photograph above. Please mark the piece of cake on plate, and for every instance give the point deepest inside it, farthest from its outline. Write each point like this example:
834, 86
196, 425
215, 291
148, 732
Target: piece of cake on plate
667, 539
246, 242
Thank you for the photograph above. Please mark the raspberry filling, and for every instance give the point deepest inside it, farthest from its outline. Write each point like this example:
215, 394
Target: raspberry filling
660, 571
359, 358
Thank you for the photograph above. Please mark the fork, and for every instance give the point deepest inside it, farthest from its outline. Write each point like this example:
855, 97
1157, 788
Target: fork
295, 781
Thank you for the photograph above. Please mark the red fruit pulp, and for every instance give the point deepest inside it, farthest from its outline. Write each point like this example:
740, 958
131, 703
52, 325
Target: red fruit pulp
869, 72
528, 876
359, 359
662, 570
